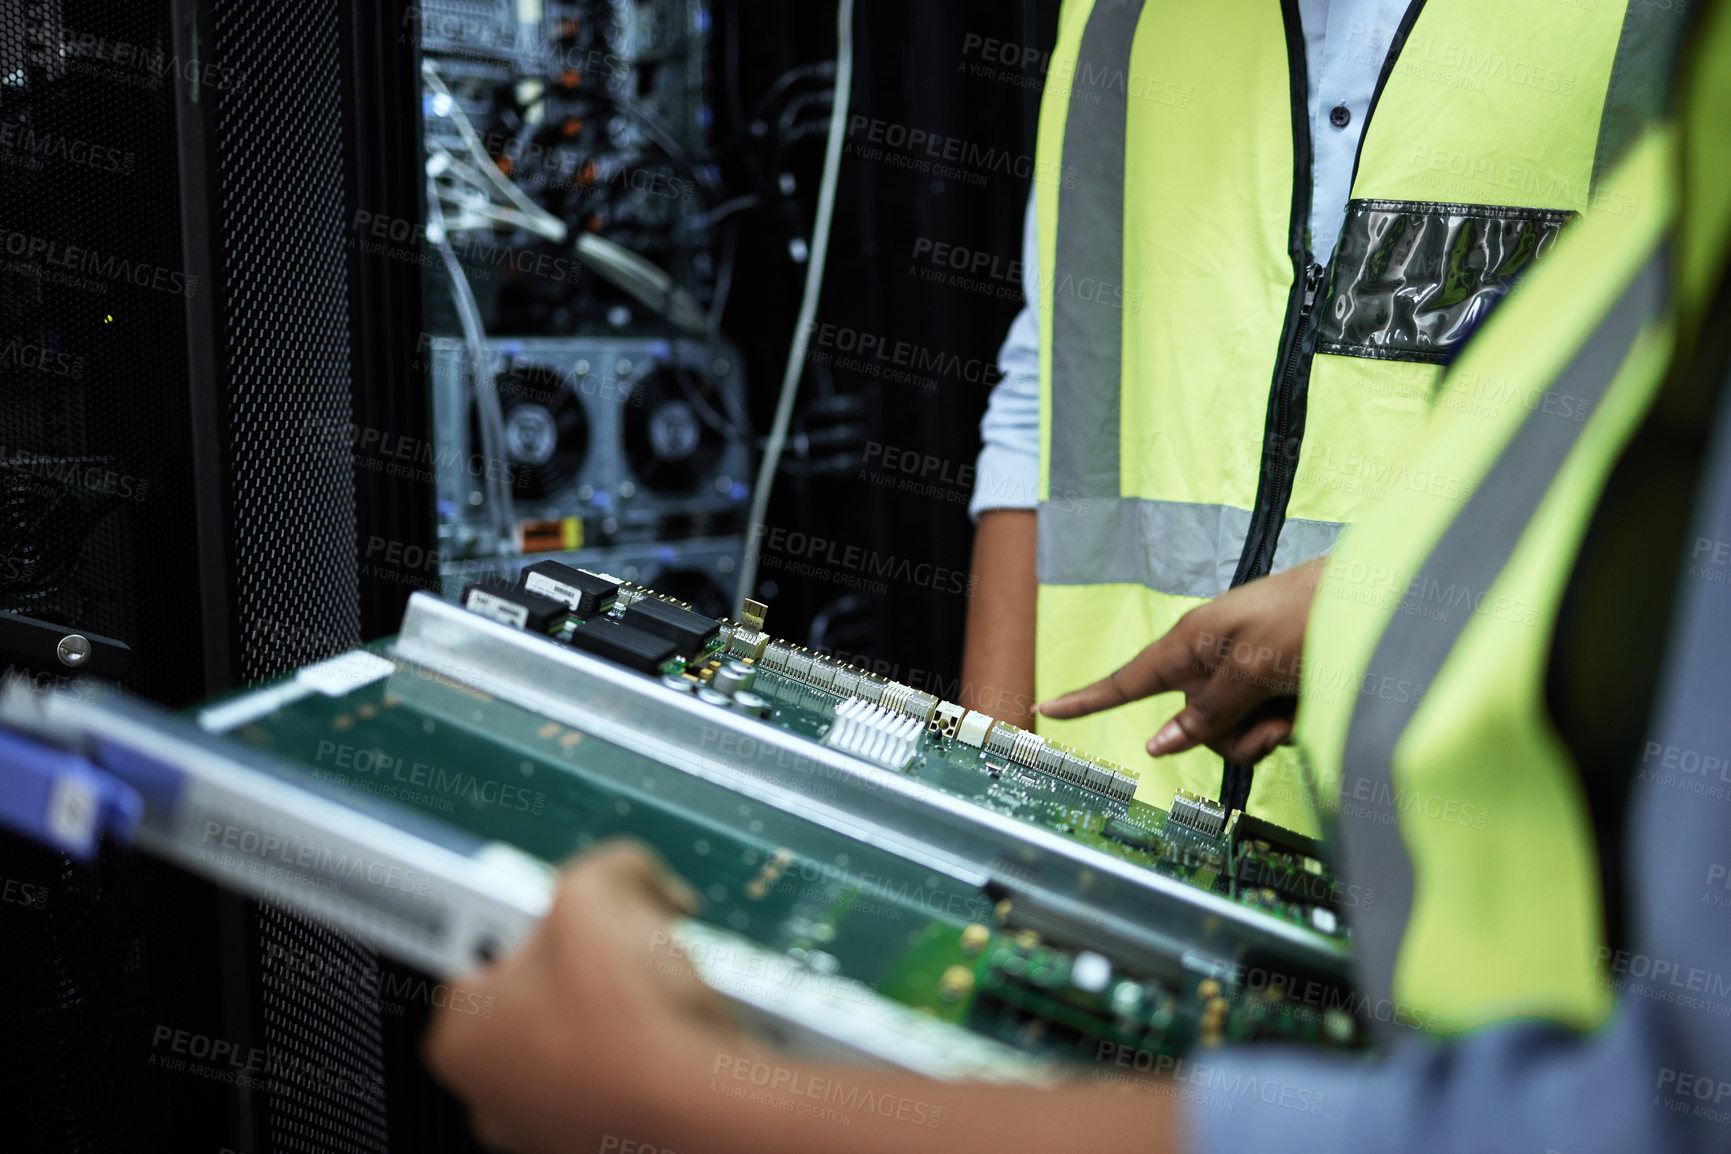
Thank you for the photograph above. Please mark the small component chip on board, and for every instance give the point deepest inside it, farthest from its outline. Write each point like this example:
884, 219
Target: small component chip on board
518, 608
1132, 835
623, 645
584, 592
689, 631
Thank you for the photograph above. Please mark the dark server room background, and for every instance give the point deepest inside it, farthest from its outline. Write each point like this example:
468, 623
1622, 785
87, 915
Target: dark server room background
866, 542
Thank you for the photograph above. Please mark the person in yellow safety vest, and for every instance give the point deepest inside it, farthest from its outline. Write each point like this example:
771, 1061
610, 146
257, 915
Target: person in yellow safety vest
1536, 774
1479, 662
1191, 399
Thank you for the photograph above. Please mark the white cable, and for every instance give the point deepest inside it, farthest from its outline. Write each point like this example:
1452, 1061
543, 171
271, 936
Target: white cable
539, 221
808, 307
473, 198
553, 226
650, 285
475, 211
477, 216
492, 420
642, 279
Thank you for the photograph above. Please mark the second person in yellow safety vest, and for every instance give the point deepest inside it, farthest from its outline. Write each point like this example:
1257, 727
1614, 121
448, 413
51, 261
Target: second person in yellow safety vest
1259, 231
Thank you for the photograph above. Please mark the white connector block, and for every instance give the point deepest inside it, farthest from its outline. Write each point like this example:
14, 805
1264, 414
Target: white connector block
974, 728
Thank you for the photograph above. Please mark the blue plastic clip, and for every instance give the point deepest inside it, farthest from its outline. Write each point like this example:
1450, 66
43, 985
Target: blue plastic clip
58, 797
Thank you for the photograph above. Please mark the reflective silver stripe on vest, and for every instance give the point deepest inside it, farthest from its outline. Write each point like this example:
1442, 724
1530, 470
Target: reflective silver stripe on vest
1169, 546
1088, 534
1641, 75
1471, 554
1088, 336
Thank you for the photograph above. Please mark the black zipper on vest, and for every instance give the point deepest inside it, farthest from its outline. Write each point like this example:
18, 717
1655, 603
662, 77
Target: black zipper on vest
1283, 430
1285, 427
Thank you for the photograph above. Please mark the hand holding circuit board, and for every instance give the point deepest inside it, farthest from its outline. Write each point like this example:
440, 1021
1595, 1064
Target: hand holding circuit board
601, 1036
593, 1009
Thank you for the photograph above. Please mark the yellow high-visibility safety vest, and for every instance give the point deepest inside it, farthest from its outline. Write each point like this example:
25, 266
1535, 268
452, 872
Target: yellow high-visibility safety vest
1427, 707
1214, 408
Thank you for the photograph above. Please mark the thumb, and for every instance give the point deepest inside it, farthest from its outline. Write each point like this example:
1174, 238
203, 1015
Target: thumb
622, 865
1257, 742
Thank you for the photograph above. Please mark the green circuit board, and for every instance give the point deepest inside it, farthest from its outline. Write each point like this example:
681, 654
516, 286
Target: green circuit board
1134, 831
831, 902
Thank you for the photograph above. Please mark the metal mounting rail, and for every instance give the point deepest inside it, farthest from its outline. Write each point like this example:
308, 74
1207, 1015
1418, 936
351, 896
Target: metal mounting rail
1062, 885
409, 886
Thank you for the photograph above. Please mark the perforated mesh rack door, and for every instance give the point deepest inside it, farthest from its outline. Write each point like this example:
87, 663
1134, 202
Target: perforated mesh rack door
281, 206
279, 198
195, 238
322, 1016
95, 488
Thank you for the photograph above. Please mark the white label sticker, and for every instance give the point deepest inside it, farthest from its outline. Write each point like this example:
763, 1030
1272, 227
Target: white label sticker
72, 811
497, 608
345, 673
557, 590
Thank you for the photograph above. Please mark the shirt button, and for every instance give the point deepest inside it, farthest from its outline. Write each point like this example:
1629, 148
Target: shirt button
1340, 116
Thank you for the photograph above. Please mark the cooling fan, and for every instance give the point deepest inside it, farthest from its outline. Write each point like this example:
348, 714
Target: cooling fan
48, 513
546, 430
675, 431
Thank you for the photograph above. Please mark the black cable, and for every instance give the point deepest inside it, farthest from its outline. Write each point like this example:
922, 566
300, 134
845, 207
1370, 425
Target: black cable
723, 281
688, 385
809, 128
822, 70
1235, 782
784, 123
663, 137
722, 211
742, 134
660, 133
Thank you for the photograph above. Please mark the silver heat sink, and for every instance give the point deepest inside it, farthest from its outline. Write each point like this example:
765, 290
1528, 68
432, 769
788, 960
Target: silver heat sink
875, 734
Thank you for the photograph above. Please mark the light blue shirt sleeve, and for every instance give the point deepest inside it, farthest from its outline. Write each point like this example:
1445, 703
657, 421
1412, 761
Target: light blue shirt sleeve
1345, 42
1008, 473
